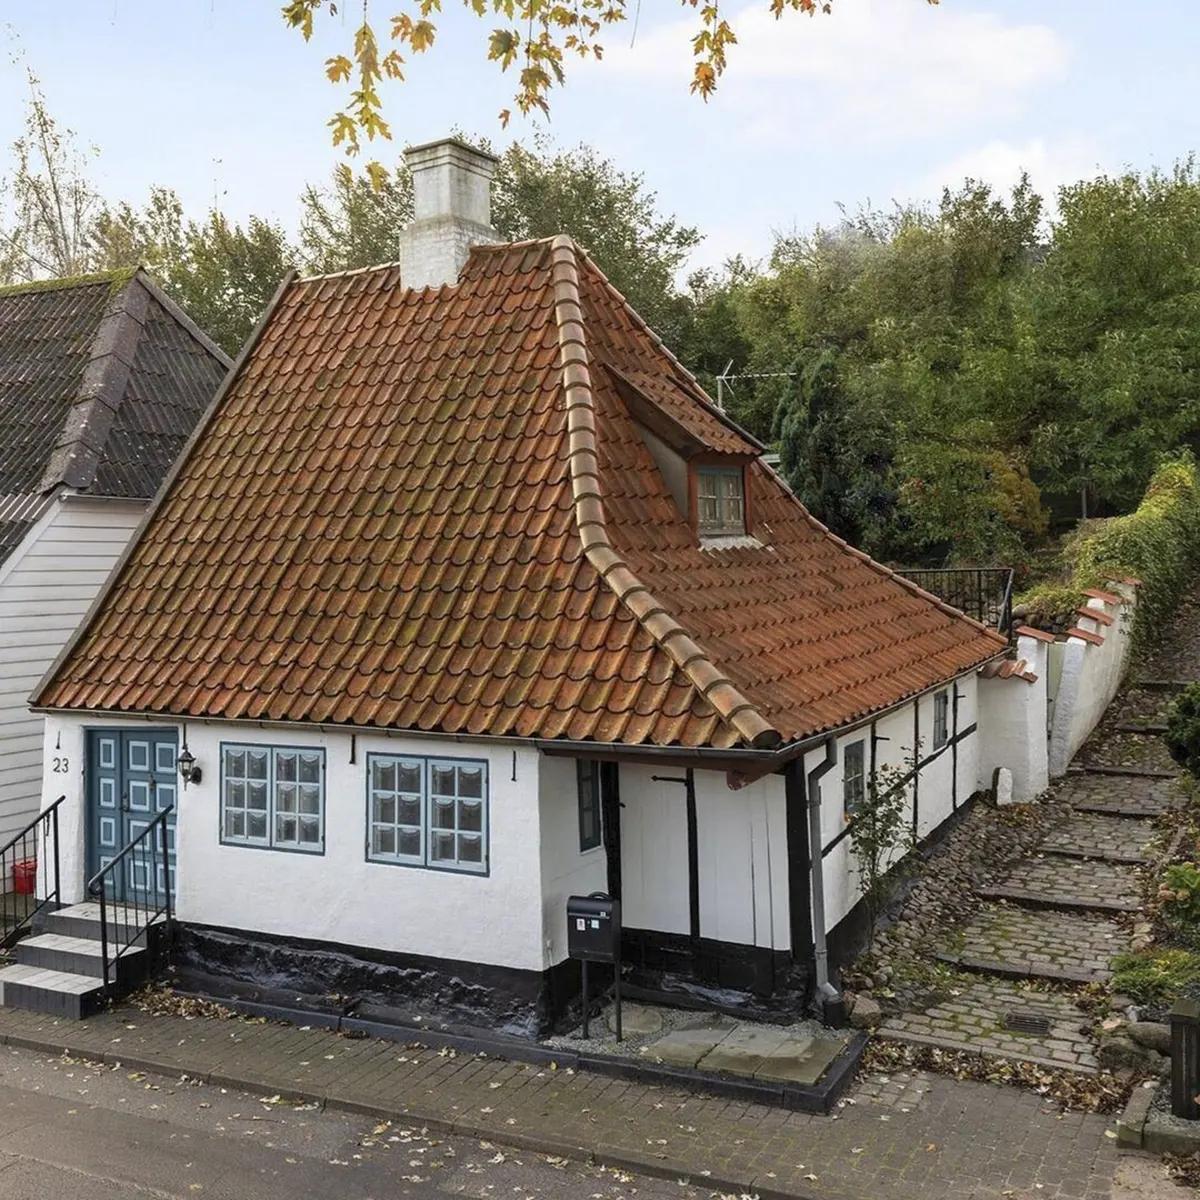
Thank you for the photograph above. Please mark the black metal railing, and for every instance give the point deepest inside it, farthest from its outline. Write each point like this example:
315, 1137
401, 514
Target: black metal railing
134, 893
29, 873
984, 593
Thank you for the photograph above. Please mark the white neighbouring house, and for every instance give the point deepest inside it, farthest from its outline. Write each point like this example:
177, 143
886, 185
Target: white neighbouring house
102, 379
464, 599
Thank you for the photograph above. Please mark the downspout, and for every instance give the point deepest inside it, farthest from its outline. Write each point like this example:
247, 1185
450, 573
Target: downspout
825, 992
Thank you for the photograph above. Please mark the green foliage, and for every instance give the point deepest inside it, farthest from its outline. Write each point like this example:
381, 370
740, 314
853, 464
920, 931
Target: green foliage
1158, 543
1179, 893
880, 834
1183, 729
1155, 975
836, 455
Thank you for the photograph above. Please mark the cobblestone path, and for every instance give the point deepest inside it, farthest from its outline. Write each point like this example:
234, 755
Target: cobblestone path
1054, 921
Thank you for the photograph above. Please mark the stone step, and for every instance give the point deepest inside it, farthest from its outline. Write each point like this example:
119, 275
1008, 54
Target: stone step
83, 921
1101, 836
1086, 767
1126, 797
82, 956
1014, 942
1053, 881
56, 993
975, 1019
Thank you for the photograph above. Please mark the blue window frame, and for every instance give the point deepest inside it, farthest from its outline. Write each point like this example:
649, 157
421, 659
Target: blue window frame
428, 812
273, 797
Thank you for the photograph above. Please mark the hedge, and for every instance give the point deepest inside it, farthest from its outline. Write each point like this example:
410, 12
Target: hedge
1158, 543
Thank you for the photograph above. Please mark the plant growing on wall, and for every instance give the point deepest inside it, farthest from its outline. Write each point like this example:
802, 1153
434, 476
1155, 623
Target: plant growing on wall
880, 834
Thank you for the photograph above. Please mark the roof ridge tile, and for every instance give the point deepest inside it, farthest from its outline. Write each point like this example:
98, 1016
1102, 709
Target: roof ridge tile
716, 687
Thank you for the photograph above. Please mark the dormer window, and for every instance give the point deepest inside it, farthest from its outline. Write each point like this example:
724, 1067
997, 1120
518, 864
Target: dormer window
720, 501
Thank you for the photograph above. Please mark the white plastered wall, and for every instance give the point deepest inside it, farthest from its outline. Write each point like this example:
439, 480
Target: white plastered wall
339, 896
1012, 724
946, 779
742, 865
1091, 675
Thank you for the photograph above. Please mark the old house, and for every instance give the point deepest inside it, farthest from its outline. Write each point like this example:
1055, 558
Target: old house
101, 380
466, 598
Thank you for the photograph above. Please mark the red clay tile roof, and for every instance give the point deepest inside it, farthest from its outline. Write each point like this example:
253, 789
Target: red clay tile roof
430, 510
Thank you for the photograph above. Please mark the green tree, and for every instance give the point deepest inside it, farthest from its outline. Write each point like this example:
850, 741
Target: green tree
221, 272
538, 191
835, 455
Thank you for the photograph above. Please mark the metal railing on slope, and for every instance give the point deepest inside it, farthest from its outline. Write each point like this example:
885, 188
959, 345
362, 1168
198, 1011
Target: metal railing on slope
29, 873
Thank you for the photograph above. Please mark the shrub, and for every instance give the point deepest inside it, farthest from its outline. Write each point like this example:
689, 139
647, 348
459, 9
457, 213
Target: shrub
1152, 975
1183, 729
1179, 892
1158, 543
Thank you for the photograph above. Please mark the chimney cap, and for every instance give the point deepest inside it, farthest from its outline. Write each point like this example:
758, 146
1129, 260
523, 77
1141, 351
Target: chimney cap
422, 149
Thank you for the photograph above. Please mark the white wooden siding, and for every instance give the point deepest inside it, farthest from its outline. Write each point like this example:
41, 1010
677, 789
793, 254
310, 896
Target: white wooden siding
46, 586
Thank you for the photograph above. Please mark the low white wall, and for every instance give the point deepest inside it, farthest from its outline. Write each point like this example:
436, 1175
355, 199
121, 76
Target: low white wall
1091, 675
339, 896
946, 779
1012, 724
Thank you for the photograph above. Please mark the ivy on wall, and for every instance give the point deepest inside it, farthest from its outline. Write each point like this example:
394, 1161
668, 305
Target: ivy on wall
1158, 543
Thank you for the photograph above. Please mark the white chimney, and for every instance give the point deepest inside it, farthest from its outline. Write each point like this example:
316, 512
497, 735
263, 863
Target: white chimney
452, 211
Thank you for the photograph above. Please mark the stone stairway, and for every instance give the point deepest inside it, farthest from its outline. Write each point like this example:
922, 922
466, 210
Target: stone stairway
59, 968
1053, 922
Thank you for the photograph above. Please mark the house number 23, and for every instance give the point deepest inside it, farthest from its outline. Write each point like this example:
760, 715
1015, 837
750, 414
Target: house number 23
61, 765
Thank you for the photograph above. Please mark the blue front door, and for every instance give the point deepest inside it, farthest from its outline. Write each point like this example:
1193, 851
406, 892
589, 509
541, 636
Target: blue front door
131, 777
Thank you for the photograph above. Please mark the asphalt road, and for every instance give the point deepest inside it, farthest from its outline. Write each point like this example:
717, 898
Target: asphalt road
71, 1130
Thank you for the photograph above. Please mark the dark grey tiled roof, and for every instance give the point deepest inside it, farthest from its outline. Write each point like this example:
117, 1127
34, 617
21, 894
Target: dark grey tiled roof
101, 381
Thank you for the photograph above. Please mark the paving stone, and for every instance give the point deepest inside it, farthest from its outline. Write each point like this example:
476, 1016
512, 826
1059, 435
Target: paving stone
1056, 881
1129, 795
981, 1028
635, 1018
799, 1060
1139, 751
1010, 940
683, 1047
1095, 835
742, 1050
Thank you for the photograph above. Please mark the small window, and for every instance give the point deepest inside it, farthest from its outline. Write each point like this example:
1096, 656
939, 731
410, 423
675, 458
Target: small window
854, 779
427, 812
720, 501
588, 774
941, 719
273, 797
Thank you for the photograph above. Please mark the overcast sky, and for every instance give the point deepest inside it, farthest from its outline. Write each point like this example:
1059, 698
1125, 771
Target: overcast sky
884, 100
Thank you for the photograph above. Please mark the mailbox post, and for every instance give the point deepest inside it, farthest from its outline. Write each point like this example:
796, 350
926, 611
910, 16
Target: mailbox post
594, 935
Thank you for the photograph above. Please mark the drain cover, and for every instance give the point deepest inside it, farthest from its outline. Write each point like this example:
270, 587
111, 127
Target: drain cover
1026, 1022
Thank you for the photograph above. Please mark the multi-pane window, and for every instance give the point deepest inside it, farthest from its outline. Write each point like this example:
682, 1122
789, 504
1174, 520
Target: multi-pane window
720, 500
941, 719
588, 776
427, 812
854, 777
273, 796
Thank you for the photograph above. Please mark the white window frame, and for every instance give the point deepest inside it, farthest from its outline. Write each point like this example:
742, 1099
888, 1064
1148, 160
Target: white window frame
273, 811
430, 802
941, 718
854, 786
729, 507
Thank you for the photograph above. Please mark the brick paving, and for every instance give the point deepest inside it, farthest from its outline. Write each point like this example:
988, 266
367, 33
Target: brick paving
1135, 751
1096, 835
1009, 940
911, 1135
972, 1018
1118, 795
1056, 881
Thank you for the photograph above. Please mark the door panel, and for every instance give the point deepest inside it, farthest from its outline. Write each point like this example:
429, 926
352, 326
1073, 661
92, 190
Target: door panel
132, 777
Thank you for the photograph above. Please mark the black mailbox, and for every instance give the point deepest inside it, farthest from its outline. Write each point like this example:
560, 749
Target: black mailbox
594, 928
594, 935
